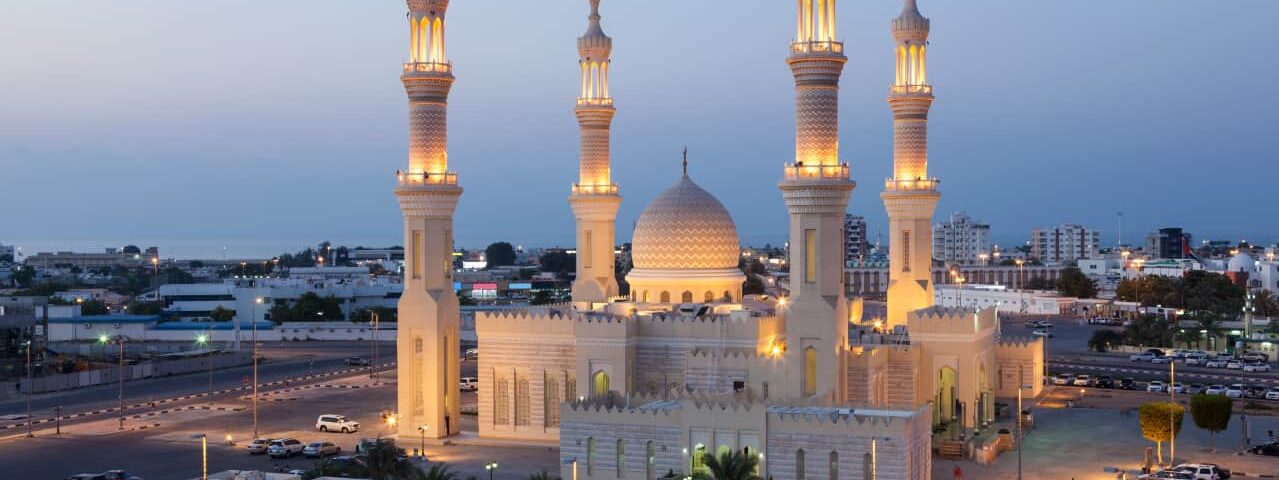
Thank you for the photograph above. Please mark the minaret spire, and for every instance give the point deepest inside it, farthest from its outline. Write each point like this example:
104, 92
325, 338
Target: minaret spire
910, 196
429, 322
685, 161
816, 188
594, 198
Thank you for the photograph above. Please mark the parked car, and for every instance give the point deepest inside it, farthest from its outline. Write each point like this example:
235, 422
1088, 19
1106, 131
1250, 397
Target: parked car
321, 449
336, 423
284, 447
1256, 367
258, 446
1161, 360
1269, 448
1063, 379
1042, 333
357, 362
1105, 381
1167, 475
469, 384
1082, 380
1155, 386
1141, 357
1235, 391
1179, 353
1254, 391
1255, 357
472, 353
1128, 383
1177, 387
119, 475
1234, 365
1273, 393
87, 476
1196, 388
1197, 359
1215, 389
1202, 471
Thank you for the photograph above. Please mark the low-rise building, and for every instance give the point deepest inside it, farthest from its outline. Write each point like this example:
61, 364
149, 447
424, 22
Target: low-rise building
1064, 244
961, 240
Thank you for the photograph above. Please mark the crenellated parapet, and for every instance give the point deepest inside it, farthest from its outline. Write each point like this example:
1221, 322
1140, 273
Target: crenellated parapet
944, 320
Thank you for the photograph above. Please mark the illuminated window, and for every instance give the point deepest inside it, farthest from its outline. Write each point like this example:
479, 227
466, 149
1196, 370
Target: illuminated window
699, 459
810, 371
650, 460
417, 254
906, 251
600, 384
708, 297
666, 297
587, 251
810, 257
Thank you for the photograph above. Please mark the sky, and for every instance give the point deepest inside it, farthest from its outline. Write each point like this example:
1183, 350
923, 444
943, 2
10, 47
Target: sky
271, 124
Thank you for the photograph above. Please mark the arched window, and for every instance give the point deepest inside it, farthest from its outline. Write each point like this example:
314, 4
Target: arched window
810, 371
501, 403
644, 296
666, 297
708, 297
650, 460
590, 455
728, 297
799, 464
552, 402
599, 384
834, 465
621, 457
687, 297
522, 398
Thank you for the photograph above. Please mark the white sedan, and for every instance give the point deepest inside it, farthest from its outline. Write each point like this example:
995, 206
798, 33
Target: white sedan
1273, 393
1215, 389
1257, 367
1235, 391
1234, 365
1155, 386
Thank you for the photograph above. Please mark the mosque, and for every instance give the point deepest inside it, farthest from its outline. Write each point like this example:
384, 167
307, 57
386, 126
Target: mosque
643, 385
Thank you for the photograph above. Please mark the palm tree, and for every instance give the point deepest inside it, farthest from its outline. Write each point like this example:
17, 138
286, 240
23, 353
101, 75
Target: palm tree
441, 471
734, 465
1266, 303
540, 476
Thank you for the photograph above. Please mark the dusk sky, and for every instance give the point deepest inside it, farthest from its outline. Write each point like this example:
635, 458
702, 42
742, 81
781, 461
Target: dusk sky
271, 125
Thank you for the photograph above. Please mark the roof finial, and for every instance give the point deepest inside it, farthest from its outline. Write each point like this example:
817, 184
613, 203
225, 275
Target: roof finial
686, 160
595, 8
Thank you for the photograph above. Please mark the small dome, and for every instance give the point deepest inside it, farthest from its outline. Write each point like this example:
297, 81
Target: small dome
685, 228
1241, 262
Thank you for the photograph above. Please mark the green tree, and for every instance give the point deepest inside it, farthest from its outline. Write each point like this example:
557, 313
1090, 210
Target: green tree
1266, 304
24, 276
311, 307
131, 250
94, 307
542, 476
1073, 283
280, 314
499, 254
753, 286
730, 465
1160, 422
541, 297
1105, 339
220, 314
1211, 413
558, 261
1148, 330
385, 463
145, 308
441, 471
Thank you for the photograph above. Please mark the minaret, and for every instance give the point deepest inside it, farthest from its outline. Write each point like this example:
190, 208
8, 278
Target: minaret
816, 188
594, 198
427, 340
910, 196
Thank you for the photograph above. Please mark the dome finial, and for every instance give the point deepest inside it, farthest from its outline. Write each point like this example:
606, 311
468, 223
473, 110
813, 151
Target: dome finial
595, 8
686, 160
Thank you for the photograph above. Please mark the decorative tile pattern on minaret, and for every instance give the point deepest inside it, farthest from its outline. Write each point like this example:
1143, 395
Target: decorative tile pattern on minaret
594, 198
816, 189
910, 196
428, 317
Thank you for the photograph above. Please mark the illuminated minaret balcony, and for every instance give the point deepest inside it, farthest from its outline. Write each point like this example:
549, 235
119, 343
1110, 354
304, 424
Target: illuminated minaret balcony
910, 98
428, 79
816, 61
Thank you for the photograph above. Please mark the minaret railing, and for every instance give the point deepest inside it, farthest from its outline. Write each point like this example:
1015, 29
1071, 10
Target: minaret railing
911, 90
815, 172
406, 179
911, 184
595, 102
817, 46
428, 67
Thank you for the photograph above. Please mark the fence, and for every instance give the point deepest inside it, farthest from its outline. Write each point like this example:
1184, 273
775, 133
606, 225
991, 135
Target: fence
159, 368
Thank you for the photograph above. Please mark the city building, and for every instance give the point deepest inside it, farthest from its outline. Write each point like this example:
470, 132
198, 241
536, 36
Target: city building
856, 245
8, 253
253, 299
1064, 244
961, 240
110, 257
1006, 300
687, 365
870, 280
1169, 242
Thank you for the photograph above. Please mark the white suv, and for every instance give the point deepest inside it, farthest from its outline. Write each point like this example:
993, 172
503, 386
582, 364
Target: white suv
469, 384
285, 447
1200, 471
1273, 393
336, 423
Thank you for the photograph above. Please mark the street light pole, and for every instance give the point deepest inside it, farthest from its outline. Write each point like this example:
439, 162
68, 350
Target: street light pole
203, 342
254, 338
204, 455
373, 364
30, 386
119, 339
423, 448
491, 467
1172, 400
